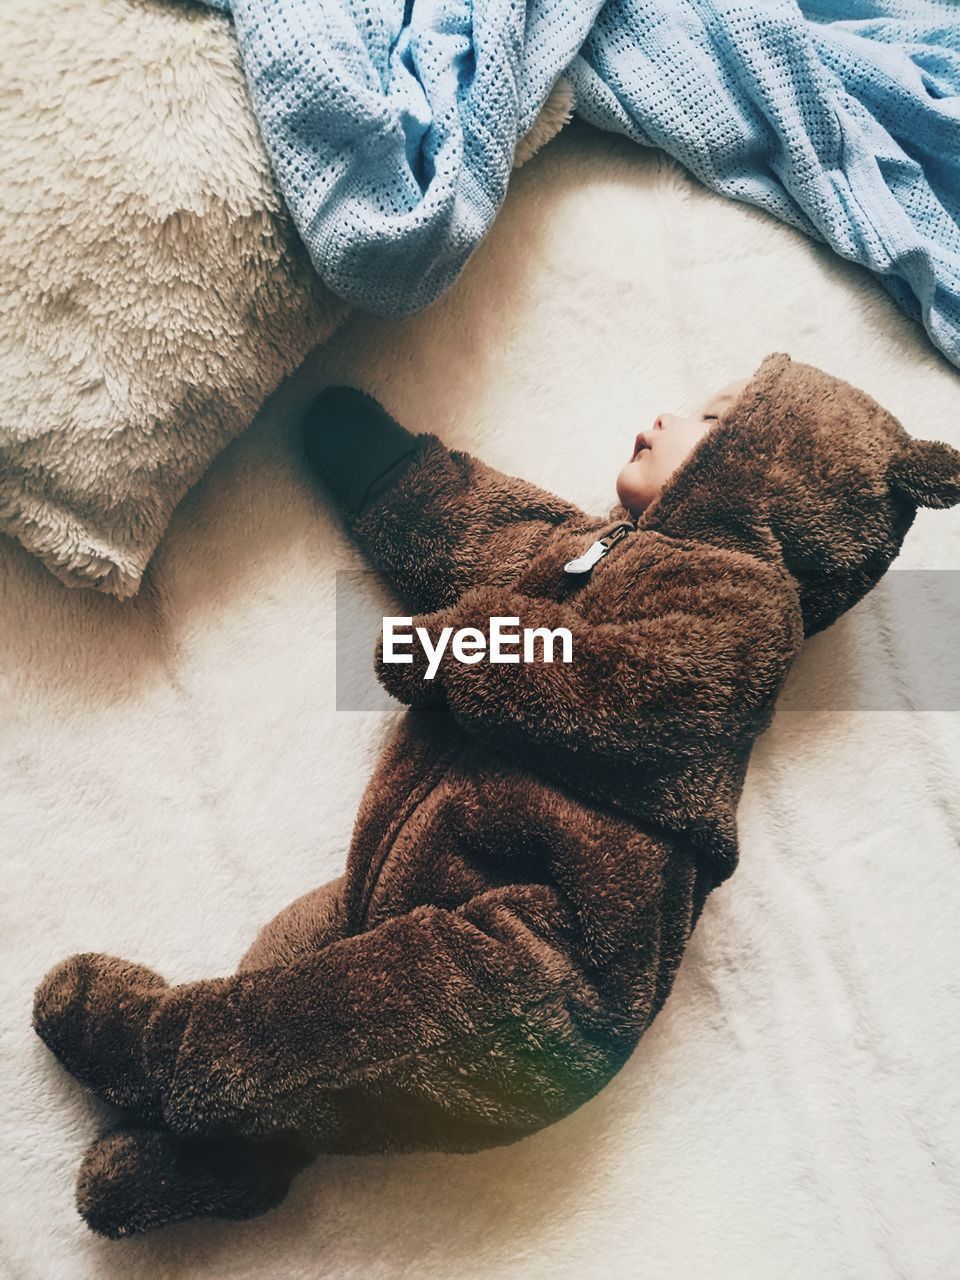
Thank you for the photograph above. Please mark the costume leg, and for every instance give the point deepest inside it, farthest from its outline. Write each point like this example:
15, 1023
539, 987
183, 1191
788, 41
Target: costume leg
79, 999
482, 1010
305, 926
135, 1179
482, 1017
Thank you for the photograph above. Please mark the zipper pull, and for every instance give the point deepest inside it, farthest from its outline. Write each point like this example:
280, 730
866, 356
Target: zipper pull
597, 550
583, 564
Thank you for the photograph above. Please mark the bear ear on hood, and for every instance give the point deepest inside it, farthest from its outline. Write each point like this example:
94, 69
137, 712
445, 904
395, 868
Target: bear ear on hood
928, 472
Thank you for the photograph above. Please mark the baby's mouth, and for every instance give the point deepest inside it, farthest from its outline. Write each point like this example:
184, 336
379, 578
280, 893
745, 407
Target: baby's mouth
640, 445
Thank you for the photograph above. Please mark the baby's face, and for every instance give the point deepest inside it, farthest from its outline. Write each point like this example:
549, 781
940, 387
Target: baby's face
657, 453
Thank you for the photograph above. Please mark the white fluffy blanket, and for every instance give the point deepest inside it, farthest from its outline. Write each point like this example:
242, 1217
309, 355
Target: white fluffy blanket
173, 770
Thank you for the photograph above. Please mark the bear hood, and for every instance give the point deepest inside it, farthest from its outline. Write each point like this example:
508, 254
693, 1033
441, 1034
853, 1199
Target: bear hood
808, 471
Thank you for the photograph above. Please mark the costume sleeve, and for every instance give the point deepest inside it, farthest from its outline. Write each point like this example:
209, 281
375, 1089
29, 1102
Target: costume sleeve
657, 685
436, 521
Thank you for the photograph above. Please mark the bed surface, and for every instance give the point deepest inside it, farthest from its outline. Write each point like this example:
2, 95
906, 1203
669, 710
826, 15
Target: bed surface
173, 770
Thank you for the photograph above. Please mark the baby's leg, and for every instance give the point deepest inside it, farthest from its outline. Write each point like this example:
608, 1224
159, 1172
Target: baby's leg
439, 1029
480, 1018
482, 1013
137, 1178
79, 1000
307, 925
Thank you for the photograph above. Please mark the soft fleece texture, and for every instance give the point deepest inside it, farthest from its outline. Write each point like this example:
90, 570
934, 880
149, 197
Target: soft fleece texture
154, 288
791, 1109
537, 842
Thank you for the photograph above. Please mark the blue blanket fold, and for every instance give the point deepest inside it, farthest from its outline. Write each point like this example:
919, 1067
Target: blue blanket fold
391, 127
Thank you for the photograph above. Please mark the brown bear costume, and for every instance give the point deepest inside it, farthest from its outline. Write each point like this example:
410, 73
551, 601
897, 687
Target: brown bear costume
537, 843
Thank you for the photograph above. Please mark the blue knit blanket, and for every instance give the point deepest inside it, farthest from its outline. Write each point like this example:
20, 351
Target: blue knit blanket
391, 126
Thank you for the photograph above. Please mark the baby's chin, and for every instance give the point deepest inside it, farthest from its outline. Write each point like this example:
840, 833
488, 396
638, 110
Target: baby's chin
633, 489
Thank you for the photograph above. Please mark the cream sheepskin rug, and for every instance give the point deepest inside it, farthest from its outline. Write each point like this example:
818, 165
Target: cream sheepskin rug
154, 289
173, 771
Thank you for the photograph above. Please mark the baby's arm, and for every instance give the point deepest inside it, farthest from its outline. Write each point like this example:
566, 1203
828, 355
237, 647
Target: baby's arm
687, 673
436, 521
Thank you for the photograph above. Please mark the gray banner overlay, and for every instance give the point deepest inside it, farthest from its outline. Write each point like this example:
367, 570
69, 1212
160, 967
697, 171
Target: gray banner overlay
898, 650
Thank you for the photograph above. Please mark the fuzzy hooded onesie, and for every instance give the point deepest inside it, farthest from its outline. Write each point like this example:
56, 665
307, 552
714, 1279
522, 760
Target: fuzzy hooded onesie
537, 843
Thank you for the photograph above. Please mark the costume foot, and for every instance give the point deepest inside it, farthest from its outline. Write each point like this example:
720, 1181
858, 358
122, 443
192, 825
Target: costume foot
135, 1180
92, 1012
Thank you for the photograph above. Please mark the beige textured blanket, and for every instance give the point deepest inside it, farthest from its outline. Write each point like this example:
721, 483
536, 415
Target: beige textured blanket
173, 770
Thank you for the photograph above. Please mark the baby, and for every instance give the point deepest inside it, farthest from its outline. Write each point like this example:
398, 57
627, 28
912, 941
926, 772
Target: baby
538, 841
659, 452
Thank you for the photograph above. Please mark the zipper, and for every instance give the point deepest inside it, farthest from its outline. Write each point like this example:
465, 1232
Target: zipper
597, 550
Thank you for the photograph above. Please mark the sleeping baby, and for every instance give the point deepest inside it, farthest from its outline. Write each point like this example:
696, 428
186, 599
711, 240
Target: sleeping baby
538, 840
